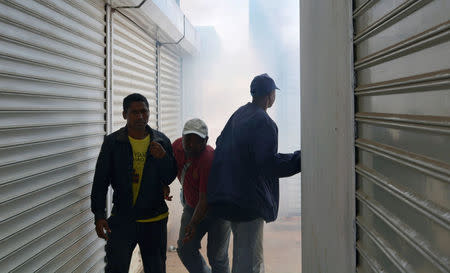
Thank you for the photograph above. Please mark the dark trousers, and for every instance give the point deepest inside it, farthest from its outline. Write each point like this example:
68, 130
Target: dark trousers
217, 249
152, 240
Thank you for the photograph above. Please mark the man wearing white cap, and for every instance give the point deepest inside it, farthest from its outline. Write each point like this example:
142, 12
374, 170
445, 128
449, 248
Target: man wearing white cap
194, 159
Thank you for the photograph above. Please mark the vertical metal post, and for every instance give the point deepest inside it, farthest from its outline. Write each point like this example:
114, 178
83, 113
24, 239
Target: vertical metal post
109, 102
158, 85
181, 95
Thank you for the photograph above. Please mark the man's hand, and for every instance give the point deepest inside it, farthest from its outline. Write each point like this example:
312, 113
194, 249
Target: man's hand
156, 150
199, 213
189, 232
100, 226
166, 190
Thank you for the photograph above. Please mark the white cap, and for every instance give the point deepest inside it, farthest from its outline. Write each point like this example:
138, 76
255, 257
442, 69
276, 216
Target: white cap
196, 126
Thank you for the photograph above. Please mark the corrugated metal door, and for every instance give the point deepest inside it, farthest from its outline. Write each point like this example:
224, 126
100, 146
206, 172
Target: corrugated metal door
134, 67
402, 69
52, 122
169, 83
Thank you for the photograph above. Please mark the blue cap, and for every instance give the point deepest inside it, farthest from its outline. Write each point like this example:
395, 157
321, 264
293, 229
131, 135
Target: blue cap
262, 85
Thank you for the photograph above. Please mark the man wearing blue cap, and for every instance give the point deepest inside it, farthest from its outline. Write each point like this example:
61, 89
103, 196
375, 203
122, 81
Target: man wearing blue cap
243, 183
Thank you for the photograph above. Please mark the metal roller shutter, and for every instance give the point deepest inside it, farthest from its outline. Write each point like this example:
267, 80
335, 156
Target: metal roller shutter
402, 69
169, 83
52, 123
134, 67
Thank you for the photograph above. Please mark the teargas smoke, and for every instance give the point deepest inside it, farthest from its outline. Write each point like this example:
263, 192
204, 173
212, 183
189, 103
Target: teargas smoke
239, 40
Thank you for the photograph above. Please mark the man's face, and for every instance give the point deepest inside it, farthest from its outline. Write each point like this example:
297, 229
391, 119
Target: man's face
193, 145
272, 96
136, 115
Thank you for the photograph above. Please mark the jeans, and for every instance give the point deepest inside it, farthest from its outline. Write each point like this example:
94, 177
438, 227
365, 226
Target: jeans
248, 246
217, 249
152, 240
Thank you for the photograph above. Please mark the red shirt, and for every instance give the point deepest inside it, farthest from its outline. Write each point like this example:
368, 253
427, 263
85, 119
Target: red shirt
196, 177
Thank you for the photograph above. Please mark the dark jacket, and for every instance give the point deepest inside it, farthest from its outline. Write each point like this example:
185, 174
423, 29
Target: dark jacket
115, 166
243, 183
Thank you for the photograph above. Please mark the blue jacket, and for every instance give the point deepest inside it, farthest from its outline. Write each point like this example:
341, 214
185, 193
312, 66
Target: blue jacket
243, 182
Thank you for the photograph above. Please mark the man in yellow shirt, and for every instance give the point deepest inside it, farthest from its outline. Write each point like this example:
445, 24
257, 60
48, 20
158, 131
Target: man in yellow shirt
138, 162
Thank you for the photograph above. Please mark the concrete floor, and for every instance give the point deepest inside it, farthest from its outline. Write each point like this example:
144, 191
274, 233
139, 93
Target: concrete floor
282, 248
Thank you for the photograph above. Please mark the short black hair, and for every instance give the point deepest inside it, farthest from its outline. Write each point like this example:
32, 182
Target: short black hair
258, 98
132, 98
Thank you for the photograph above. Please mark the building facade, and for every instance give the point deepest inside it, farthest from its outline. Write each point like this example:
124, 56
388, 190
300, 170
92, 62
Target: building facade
65, 67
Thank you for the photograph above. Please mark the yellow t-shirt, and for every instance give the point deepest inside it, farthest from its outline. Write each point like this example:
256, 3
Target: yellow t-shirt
140, 147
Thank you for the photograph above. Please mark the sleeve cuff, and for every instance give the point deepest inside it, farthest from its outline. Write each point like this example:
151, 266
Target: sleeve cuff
100, 215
